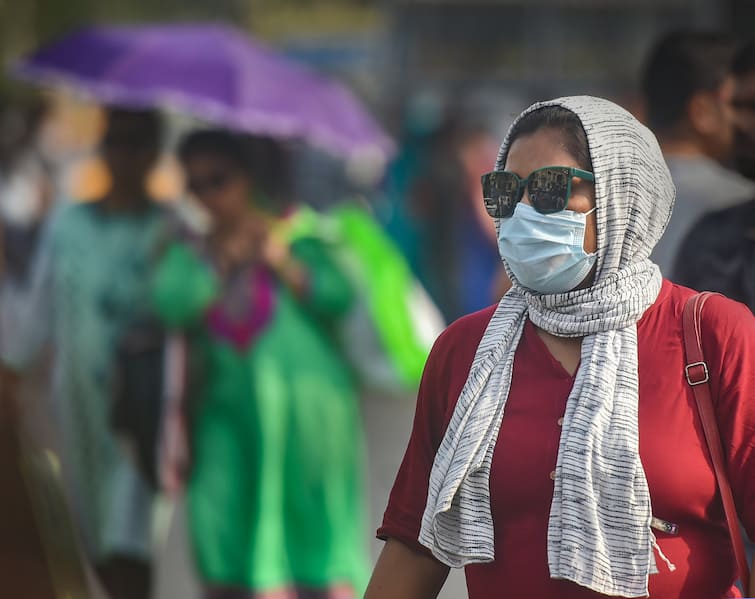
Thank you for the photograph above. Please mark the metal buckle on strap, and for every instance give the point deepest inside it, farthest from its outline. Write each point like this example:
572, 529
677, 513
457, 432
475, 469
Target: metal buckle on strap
705, 374
664, 526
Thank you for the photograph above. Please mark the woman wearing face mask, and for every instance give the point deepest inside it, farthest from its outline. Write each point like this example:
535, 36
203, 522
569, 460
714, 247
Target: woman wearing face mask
557, 451
274, 490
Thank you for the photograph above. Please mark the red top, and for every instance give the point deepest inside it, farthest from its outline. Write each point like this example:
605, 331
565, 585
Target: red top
672, 448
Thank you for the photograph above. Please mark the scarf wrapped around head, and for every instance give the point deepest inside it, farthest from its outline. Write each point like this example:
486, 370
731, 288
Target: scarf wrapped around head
599, 528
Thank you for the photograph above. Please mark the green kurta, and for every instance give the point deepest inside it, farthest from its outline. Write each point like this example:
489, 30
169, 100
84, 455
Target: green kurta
275, 496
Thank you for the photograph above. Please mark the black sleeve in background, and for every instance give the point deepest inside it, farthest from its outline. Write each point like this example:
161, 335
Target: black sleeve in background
718, 254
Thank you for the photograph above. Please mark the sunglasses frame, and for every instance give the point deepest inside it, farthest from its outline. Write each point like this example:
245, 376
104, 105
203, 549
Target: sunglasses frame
495, 207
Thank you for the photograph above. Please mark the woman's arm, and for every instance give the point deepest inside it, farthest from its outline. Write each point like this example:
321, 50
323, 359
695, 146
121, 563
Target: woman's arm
312, 274
182, 287
402, 573
293, 273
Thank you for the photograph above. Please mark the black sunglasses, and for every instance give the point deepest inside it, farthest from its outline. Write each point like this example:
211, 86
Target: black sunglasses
549, 189
209, 184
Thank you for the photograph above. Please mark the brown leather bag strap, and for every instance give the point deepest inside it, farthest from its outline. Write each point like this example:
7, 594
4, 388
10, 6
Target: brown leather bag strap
697, 374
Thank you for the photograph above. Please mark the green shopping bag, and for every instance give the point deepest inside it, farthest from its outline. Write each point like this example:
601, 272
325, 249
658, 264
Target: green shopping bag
388, 333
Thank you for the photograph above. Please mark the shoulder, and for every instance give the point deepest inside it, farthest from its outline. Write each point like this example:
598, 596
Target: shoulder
720, 312
704, 178
727, 320
67, 217
722, 318
716, 226
457, 344
165, 213
447, 369
181, 268
309, 243
71, 210
182, 251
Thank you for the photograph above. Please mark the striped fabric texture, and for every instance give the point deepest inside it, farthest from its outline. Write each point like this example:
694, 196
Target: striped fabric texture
599, 529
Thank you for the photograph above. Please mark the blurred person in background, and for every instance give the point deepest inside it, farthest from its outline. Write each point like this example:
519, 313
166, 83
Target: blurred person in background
719, 252
89, 283
455, 255
26, 184
26, 194
422, 115
744, 110
688, 86
482, 278
436, 200
23, 562
274, 472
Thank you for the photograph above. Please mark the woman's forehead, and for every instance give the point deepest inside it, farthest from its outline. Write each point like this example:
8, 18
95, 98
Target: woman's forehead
544, 147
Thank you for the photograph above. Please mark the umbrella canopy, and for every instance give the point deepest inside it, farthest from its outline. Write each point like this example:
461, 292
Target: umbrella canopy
213, 72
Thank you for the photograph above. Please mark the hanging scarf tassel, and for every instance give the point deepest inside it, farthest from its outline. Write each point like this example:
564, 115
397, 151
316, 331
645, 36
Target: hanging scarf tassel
657, 547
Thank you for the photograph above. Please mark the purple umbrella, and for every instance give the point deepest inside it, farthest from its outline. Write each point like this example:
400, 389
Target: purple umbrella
212, 72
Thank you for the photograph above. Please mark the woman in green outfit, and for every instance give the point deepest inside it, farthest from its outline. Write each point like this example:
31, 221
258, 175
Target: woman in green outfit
275, 495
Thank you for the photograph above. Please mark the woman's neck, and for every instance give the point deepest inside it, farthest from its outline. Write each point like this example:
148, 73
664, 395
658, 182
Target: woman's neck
567, 350
126, 200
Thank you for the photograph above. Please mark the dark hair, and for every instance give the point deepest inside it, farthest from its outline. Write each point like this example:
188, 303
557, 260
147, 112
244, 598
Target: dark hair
262, 159
680, 64
744, 61
148, 122
217, 142
565, 122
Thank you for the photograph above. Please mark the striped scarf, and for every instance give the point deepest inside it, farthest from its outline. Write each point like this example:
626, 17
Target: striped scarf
599, 528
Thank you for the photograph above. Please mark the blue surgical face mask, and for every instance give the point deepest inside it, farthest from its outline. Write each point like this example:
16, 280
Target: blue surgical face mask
546, 251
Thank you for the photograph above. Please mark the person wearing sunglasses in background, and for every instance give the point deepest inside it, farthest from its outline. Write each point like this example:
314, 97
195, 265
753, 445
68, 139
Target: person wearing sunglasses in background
274, 488
556, 449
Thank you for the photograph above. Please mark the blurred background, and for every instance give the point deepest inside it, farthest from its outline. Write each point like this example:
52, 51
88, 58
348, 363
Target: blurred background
444, 79
420, 63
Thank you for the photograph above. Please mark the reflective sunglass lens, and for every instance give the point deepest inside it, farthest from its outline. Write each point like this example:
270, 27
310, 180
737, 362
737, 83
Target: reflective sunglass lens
547, 203
548, 190
500, 193
499, 206
492, 206
508, 203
